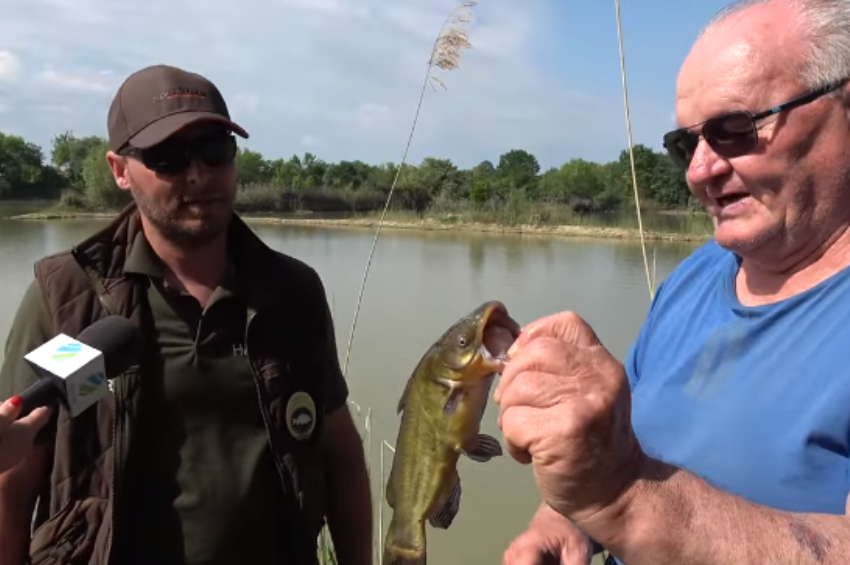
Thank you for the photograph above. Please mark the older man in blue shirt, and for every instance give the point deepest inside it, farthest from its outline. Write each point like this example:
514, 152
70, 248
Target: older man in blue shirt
738, 387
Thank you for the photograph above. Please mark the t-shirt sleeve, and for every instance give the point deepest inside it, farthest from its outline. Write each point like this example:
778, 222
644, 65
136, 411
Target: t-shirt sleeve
31, 328
336, 389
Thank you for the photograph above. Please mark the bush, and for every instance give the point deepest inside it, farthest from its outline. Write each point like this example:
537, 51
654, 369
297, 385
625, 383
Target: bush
101, 192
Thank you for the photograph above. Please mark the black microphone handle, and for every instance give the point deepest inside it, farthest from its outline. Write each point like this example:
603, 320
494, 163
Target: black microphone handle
42, 392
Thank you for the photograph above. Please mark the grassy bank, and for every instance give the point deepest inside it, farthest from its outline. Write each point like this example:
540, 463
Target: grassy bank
410, 221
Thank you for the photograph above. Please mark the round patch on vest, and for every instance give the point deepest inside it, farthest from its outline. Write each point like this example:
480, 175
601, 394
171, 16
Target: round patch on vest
300, 415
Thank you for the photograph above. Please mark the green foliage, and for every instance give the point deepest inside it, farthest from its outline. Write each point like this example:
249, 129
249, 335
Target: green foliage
306, 182
69, 154
23, 173
100, 189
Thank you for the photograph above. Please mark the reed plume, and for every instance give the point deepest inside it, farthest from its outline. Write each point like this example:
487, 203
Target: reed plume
446, 53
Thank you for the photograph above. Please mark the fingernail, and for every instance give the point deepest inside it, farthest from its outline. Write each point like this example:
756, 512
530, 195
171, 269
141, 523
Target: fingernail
16, 401
512, 350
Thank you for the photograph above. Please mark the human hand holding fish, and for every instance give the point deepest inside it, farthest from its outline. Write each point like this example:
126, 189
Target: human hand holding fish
565, 407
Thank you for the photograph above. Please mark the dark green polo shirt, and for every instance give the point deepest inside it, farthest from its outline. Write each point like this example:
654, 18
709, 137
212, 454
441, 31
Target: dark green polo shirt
206, 490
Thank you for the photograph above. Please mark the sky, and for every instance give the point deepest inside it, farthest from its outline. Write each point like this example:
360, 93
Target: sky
341, 78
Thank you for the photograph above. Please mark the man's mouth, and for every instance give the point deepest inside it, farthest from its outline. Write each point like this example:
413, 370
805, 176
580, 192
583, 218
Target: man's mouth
729, 199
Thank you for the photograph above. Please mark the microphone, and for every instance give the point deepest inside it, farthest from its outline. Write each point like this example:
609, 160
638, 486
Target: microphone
75, 371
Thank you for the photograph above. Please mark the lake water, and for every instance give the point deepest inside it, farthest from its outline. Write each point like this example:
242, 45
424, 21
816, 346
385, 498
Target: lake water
419, 284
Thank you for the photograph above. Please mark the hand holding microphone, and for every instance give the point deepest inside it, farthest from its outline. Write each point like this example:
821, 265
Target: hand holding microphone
17, 435
74, 373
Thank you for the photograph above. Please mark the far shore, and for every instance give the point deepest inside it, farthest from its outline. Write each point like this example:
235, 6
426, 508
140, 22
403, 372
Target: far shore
586, 231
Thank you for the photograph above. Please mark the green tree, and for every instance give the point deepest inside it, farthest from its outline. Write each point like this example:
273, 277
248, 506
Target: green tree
23, 173
101, 191
252, 167
519, 169
512, 190
68, 154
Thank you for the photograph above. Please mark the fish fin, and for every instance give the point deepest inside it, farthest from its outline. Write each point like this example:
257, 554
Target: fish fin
452, 402
405, 543
485, 448
450, 384
443, 517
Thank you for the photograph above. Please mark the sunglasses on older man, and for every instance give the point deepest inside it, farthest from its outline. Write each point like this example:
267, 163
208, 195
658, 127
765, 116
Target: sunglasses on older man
732, 134
173, 156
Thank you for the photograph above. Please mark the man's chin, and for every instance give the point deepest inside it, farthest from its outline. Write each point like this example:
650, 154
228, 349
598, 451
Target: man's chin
195, 232
740, 235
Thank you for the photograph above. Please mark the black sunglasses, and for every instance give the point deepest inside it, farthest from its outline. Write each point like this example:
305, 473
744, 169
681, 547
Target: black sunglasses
733, 134
173, 156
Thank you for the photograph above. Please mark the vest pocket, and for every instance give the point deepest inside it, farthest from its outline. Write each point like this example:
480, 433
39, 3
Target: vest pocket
69, 537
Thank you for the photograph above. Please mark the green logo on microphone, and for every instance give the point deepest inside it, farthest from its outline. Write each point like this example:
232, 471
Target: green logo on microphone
91, 385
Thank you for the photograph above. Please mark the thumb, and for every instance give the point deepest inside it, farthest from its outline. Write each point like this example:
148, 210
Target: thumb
572, 555
530, 549
565, 326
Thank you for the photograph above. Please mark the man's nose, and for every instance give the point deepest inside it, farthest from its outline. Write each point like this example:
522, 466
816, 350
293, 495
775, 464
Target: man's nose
197, 172
706, 165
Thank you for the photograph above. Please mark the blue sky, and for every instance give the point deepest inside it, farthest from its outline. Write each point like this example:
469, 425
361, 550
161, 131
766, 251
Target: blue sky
340, 78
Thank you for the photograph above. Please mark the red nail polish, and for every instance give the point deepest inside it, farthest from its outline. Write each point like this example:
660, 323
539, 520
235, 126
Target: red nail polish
16, 401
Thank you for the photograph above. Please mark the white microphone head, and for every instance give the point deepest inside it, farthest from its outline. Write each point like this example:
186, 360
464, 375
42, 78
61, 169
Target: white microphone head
77, 369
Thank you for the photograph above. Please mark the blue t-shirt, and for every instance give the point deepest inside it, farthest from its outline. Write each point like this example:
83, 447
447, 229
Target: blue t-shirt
756, 401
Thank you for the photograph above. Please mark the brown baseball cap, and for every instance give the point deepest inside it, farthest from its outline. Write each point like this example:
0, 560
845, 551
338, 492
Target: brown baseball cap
158, 101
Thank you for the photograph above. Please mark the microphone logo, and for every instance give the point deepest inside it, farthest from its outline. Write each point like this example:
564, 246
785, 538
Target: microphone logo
67, 352
91, 385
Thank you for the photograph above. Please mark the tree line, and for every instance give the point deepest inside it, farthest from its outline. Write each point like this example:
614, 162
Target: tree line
77, 174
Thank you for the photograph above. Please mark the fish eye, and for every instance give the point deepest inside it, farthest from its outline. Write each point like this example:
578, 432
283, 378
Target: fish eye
461, 341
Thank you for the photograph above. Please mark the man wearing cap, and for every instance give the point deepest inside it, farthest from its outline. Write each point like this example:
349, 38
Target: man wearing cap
231, 441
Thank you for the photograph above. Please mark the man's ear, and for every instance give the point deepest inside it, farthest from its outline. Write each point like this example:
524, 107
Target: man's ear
119, 167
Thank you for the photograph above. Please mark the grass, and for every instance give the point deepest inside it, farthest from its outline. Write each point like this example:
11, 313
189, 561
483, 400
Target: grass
527, 219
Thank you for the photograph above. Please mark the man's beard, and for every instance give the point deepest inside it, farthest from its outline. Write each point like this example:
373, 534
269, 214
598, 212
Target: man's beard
166, 221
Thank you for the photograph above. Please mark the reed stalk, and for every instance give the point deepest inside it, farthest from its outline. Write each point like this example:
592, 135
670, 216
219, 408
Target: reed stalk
446, 53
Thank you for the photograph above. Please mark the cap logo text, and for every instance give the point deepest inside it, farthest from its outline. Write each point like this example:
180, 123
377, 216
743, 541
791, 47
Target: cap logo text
179, 92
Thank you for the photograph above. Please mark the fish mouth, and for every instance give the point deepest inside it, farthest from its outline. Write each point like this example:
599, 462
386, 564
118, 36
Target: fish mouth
496, 334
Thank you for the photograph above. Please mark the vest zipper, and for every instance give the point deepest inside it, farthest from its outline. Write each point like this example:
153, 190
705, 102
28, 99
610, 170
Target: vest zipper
118, 390
261, 400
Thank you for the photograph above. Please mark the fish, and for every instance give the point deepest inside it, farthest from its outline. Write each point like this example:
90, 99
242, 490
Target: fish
441, 409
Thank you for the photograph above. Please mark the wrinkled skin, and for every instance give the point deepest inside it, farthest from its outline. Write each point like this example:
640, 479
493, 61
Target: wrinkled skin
564, 407
797, 208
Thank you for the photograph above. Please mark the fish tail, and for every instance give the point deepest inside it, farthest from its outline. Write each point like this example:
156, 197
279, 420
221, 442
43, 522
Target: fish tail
405, 543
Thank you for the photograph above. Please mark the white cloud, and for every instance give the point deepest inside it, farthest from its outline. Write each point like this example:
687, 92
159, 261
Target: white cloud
10, 67
312, 141
79, 81
341, 77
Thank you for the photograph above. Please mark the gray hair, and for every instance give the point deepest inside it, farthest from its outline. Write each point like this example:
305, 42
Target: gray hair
826, 26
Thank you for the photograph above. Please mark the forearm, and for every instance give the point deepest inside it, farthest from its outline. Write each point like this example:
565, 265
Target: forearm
19, 490
350, 511
14, 534
671, 517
